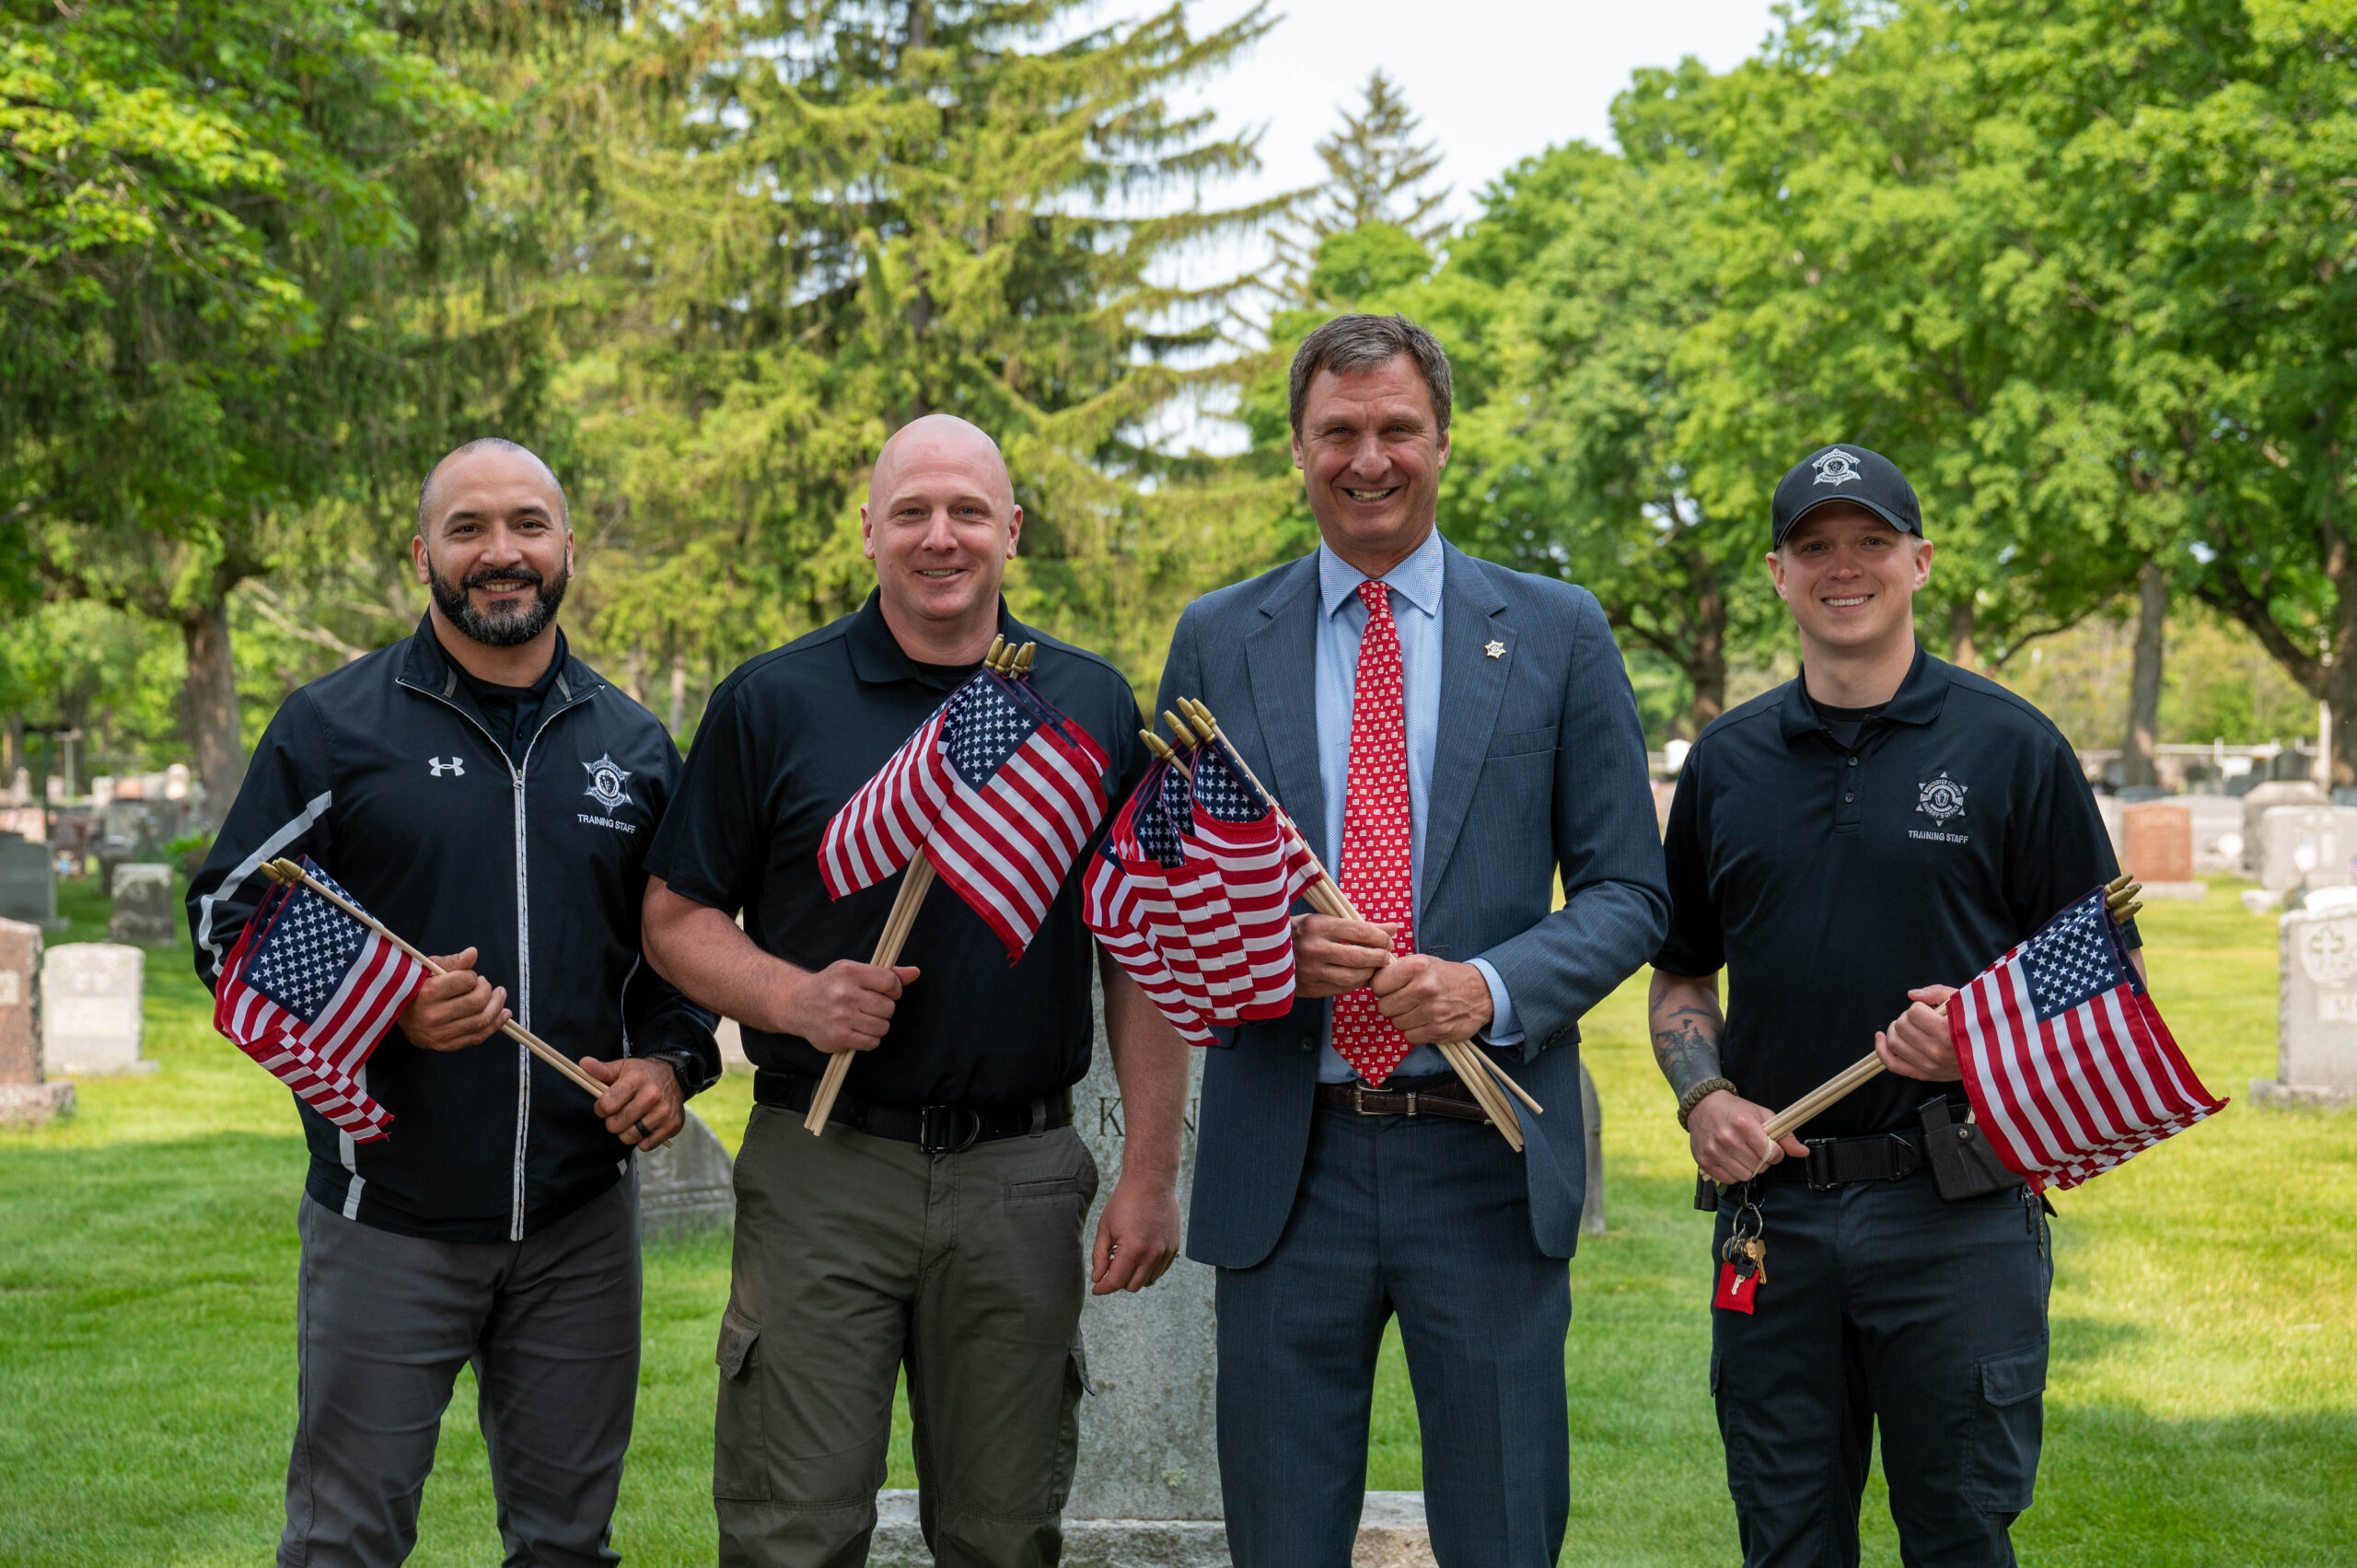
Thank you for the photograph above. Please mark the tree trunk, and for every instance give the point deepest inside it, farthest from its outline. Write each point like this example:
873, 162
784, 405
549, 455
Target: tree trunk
634, 672
211, 699
679, 693
2137, 748
1962, 653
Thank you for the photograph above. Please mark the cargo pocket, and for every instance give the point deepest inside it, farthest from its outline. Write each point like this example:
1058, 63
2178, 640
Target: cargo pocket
2009, 1418
1068, 1432
740, 1449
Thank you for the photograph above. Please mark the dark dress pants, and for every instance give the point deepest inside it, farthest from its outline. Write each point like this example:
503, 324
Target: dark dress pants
1884, 1306
549, 1324
1429, 1218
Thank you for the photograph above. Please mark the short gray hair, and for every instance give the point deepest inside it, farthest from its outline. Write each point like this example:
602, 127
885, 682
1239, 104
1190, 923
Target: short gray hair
494, 444
1363, 343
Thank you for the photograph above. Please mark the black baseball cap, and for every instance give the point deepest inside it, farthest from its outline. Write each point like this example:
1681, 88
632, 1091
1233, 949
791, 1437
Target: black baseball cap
1849, 473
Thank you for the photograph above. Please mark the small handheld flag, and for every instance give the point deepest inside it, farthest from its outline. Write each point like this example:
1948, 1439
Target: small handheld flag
308, 993
999, 790
2070, 1068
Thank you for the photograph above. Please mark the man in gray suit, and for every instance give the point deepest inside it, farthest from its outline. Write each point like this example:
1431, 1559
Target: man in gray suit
1449, 734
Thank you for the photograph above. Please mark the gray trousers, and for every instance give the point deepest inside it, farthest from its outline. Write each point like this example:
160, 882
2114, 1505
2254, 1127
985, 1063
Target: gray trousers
550, 1326
855, 1256
1428, 1220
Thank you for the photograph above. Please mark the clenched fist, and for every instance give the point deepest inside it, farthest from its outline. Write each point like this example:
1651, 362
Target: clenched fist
846, 1006
454, 1009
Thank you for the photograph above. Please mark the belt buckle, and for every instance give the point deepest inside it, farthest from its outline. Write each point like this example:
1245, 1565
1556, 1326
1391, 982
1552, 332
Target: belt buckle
1820, 1164
933, 1124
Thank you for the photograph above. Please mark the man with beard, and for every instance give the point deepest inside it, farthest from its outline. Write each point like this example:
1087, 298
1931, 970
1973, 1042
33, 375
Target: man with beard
487, 796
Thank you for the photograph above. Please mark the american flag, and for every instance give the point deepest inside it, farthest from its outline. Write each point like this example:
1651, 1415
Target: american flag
1000, 791
308, 993
1111, 904
1261, 866
1189, 894
2070, 1068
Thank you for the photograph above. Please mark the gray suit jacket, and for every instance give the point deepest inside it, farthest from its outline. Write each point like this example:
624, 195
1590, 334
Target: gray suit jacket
1540, 766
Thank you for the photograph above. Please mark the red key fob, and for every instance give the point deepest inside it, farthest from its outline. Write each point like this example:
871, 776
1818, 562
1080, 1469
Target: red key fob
1736, 1292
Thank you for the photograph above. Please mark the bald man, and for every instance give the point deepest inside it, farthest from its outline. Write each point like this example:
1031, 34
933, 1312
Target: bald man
487, 796
936, 1226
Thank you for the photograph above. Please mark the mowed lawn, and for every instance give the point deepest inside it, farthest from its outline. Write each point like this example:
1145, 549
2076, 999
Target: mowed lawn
2202, 1407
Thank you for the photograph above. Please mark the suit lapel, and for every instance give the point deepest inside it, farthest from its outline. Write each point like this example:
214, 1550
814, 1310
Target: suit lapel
1283, 653
1473, 684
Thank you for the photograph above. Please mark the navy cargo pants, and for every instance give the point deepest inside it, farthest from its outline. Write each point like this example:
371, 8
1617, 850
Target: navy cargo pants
1884, 1306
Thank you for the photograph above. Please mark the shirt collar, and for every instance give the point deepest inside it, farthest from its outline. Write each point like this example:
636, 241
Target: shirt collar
1417, 579
877, 655
430, 667
1917, 699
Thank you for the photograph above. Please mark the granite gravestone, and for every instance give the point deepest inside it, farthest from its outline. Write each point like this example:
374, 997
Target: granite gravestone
2217, 822
1145, 1493
2159, 853
29, 883
687, 1185
145, 913
25, 1100
2315, 1029
2266, 797
2306, 845
90, 1009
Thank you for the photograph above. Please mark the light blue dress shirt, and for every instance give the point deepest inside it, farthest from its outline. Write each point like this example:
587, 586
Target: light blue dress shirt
1415, 589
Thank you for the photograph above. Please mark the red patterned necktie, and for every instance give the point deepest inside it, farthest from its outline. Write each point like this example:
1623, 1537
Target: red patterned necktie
1376, 873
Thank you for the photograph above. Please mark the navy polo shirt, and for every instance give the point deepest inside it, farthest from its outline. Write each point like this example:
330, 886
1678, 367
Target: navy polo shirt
788, 738
1829, 879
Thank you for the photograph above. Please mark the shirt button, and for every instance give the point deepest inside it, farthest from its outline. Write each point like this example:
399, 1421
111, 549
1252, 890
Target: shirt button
1854, 762
1850, 795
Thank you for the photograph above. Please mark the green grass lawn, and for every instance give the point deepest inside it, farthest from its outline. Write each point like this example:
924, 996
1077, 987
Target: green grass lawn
2202, 1407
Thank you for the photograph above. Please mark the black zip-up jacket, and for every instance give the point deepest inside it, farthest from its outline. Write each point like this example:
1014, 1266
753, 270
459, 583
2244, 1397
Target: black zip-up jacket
385, 773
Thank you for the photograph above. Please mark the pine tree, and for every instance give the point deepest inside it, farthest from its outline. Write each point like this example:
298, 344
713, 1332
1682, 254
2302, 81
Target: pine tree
835, 215
1377, 170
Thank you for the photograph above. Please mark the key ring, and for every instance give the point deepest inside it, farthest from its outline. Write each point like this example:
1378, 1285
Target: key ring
1748, 1226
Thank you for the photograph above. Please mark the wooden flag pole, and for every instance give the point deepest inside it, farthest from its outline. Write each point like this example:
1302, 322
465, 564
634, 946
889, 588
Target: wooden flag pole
914, 885
2120, 902
1003, 659
1481, 1076
290, 874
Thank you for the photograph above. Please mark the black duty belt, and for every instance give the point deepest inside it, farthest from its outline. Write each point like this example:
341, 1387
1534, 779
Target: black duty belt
1836, 1162
936, 1129
1415, 1096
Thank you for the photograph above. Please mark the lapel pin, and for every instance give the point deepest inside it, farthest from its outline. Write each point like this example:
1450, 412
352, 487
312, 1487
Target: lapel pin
1495, 648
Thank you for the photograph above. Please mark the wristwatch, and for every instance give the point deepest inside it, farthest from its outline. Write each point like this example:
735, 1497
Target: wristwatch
684, 1068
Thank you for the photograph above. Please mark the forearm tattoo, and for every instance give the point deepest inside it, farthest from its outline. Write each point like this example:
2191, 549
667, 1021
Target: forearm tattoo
1686, 1041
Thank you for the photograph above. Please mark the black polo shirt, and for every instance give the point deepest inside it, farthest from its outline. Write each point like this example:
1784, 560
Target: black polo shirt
1828, 880
789, 738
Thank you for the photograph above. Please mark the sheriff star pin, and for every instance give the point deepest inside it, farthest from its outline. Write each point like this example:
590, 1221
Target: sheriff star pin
1494, 649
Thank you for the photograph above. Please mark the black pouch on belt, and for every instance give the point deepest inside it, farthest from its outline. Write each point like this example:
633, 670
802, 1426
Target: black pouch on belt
1963, 1164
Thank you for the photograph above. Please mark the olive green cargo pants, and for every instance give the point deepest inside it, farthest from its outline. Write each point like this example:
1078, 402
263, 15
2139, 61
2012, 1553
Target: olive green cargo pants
857, 1255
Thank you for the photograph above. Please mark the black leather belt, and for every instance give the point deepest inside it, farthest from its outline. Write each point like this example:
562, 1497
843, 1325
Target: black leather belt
1415, 1096
1836, 1162
935, 1129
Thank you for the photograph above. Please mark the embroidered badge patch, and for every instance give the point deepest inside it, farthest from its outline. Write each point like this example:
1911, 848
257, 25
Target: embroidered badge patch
1836, 468
1941, 799
606, 779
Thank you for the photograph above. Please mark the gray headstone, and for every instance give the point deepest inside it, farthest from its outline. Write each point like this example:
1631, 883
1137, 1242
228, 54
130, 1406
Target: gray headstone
145, 913
2317, 1007
90, 1009
1591, 1107
25, 1100
1147, 1443
2314, 845
29, 883
2261, 798
1392, 1534
687, 1185
2215, 817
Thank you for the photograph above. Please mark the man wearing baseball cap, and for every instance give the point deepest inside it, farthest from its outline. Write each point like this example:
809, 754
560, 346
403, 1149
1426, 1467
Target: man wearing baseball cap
1849, 847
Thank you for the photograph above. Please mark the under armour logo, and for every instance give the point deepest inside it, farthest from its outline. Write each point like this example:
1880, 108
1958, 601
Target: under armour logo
456, 765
